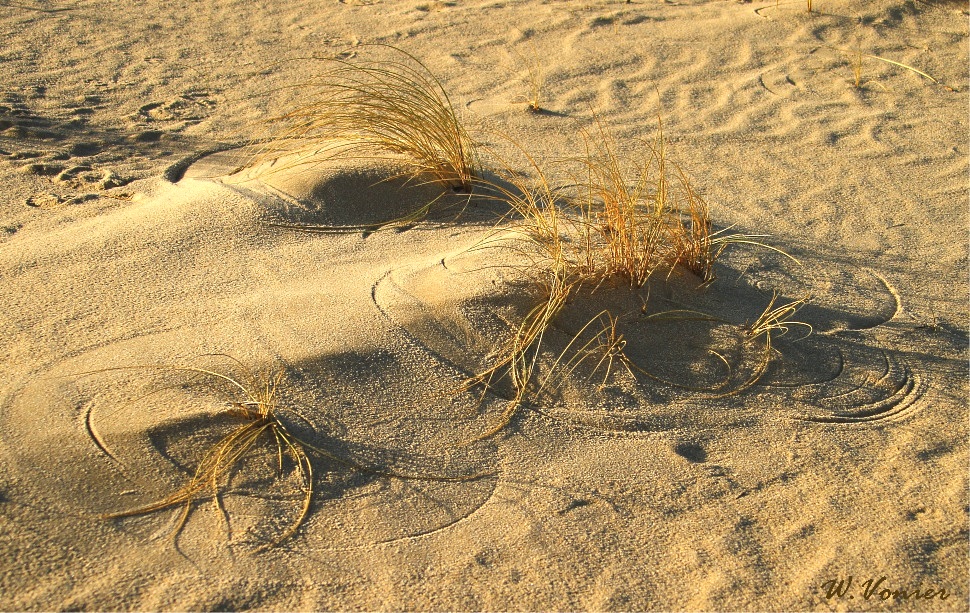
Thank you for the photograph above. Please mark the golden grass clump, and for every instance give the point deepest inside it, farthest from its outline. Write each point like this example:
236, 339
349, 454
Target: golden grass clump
255, 403
395, 105
627, 219
621, 220
644, 217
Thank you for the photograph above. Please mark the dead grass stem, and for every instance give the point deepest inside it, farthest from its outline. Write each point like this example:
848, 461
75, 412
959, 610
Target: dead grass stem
773, 321
535, 79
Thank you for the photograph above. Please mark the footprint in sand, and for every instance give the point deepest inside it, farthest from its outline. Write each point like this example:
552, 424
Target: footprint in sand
79, 179
190, 107
19, 122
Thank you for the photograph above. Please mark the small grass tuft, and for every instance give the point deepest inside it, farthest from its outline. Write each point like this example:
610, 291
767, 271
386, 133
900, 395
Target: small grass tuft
535, 79
773, 321
858, 56
255, 402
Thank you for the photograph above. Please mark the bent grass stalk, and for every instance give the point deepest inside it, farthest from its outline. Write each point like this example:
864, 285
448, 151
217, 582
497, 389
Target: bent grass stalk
859, 55
607, 343
519, 359
535, 79
256, 402
676, 315
772, 321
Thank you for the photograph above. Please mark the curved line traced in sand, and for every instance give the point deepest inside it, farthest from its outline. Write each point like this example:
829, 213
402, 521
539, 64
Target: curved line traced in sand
904, 388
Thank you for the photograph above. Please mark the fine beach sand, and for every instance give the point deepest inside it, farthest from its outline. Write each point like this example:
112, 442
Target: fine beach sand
140, 227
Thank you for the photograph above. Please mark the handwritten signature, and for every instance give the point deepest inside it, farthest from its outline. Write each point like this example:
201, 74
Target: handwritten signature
878, 589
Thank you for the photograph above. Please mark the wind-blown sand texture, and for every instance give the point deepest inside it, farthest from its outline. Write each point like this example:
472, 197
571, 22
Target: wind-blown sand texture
124, 243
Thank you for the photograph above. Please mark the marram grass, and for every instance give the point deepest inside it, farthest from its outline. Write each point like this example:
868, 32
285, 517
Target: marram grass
396, 105
622, 220
254, 402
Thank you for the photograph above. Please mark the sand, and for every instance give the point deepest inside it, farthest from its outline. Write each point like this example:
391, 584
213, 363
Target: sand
130, 245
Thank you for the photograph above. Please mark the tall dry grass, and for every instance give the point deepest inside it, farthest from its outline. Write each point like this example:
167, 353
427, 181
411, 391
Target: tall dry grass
394, 105
622, 219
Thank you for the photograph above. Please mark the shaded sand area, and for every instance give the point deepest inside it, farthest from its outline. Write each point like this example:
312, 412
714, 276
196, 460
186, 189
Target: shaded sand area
140, 230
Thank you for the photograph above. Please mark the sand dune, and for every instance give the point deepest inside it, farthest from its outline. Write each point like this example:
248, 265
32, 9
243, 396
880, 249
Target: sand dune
149, 226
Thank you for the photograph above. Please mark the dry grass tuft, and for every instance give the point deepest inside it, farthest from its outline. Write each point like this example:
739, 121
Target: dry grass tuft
622, 221
581, 238
627, 212
255, 402
395, 105
643, 215
535, 78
